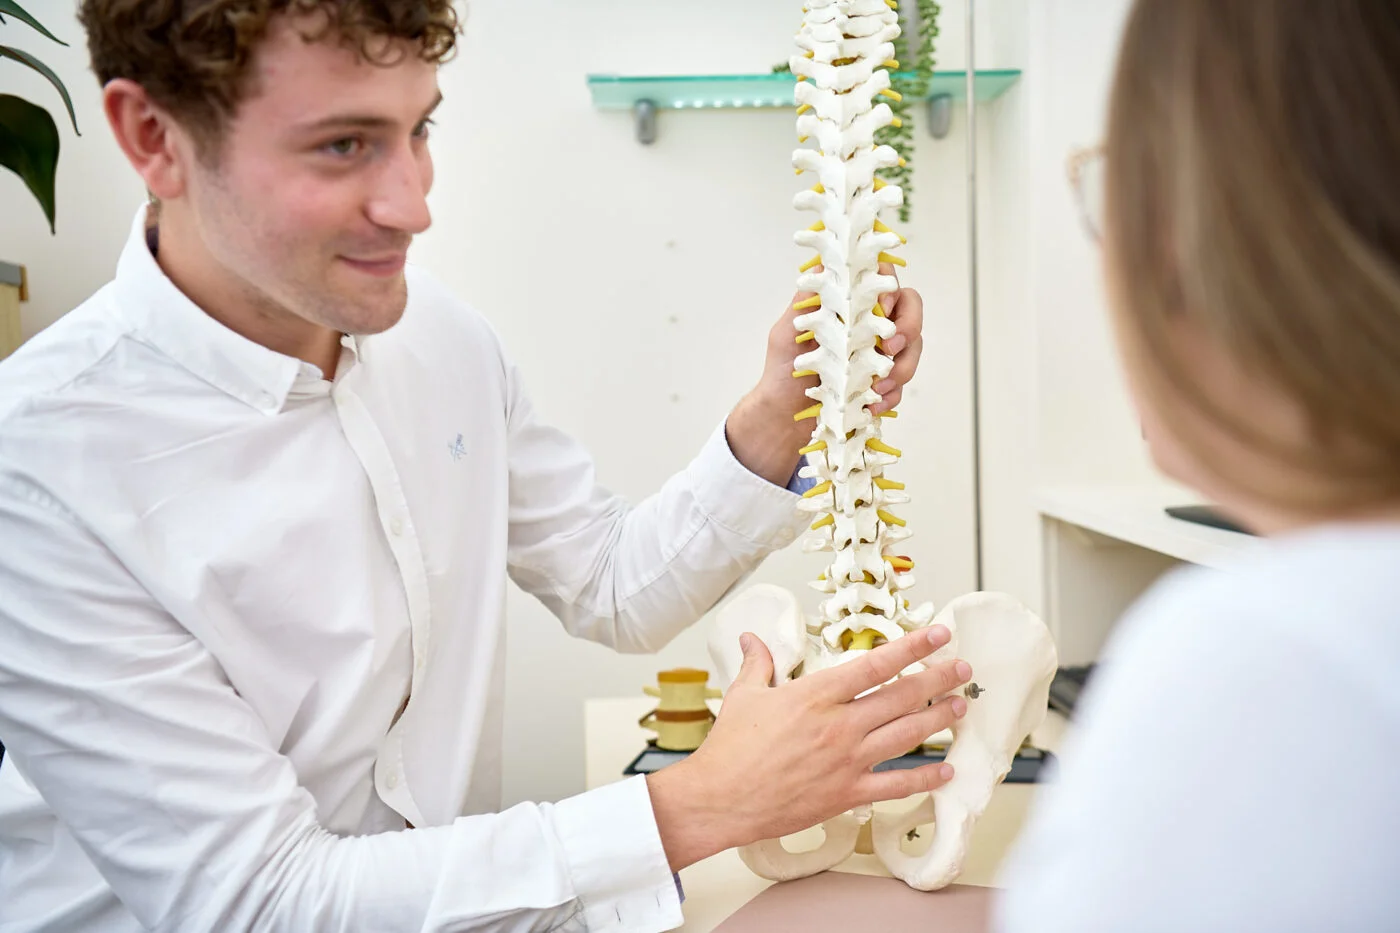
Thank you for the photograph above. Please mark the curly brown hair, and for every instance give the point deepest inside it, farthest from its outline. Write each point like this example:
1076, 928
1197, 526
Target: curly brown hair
192, 56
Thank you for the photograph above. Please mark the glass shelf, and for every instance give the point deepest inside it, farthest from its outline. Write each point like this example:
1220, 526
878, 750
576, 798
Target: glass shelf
676, 92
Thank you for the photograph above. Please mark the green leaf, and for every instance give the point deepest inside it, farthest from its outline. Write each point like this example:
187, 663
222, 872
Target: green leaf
29, 148
14, 9
27, 59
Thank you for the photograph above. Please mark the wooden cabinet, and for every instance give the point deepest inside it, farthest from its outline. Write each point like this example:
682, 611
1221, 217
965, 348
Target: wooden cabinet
13, 290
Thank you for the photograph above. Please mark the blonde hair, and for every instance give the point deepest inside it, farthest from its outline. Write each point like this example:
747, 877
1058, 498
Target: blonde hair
1252, 187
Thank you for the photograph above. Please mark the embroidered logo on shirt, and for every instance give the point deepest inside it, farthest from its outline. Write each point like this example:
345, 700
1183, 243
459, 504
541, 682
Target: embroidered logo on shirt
456, 448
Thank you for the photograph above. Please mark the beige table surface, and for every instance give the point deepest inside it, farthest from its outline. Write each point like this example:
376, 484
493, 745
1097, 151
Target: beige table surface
718, 886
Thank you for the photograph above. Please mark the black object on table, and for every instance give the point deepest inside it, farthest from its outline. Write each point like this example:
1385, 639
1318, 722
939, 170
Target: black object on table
1066, 687
1025, 767
1206, 515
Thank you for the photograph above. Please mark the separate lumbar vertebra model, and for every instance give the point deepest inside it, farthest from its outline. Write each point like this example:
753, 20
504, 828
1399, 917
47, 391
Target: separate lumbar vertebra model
846, 49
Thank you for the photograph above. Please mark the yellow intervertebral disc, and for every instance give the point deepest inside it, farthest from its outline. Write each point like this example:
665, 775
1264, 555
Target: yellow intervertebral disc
807, 337
864, 640
892, 94
887, 483
803, 373
817, 490
811, 263
814, 302
806, 413
892, 260
829, 519
813, 448
889, 519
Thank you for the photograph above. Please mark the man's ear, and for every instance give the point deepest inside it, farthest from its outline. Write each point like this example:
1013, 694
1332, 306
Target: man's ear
154, 143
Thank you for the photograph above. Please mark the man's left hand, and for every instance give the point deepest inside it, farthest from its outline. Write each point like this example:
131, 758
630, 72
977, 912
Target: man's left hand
761, 431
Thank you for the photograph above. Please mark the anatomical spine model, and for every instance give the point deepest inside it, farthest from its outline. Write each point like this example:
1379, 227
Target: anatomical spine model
842, 72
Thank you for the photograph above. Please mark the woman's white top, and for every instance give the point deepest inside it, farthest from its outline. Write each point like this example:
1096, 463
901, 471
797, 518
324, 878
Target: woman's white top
1235, 763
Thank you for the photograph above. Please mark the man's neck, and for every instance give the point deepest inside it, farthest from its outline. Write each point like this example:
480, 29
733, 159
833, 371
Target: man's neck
230, 301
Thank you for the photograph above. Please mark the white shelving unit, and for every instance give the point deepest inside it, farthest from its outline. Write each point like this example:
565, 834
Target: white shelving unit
1104, 546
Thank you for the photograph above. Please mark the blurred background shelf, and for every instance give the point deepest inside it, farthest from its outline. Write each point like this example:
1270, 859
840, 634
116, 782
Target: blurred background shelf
679, 92
1105, 545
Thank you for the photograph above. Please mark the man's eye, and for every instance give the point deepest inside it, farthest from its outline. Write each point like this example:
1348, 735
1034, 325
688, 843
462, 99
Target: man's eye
343, 147
421, 130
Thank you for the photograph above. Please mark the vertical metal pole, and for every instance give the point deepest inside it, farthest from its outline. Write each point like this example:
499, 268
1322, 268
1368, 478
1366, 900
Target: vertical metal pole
971, 85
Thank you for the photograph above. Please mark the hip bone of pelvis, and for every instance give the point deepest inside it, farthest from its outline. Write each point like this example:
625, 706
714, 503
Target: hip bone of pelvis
1013, 660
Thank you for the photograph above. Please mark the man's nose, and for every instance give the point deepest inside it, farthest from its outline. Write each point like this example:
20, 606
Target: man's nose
400, 198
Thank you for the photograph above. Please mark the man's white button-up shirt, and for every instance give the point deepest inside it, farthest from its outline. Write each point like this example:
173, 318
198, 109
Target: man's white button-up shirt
252, 626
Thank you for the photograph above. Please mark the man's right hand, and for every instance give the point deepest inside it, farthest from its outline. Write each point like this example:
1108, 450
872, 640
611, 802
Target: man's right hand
781, 759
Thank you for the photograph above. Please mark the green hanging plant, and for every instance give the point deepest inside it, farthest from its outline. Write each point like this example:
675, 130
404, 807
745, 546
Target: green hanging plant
913, 85
28, 135
912, 82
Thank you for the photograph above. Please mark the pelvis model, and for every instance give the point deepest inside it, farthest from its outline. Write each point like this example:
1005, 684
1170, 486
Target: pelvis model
842, 71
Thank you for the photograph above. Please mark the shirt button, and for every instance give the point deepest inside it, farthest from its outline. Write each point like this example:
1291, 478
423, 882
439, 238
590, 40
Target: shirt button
265, 400
391, 781
418, 663
396, 527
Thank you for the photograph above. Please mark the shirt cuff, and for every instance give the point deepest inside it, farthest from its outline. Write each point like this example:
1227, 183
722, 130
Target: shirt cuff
742, 501
616, 862
796, 483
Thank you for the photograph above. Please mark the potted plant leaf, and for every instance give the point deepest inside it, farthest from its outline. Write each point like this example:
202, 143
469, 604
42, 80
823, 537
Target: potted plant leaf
28, 135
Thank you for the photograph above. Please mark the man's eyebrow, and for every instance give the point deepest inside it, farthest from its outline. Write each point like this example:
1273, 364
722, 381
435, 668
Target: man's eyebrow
362, 121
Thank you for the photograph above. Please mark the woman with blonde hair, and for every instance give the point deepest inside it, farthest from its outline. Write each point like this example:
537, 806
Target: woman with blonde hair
1236, 762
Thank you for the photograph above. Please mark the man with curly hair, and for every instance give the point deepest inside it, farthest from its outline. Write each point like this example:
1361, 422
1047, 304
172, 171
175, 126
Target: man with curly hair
268, 486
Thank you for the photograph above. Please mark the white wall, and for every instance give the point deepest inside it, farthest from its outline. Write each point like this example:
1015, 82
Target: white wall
1087, 431
1006, 316
634, 285
1054, 407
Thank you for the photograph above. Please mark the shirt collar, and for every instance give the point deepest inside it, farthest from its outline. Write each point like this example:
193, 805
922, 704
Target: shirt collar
164, 317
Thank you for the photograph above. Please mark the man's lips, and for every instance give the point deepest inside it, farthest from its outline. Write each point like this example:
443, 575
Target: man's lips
377, 265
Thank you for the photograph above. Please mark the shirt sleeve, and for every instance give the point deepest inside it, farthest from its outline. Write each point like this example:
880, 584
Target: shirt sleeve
799, 484
634, 577
1222, 775
169, 783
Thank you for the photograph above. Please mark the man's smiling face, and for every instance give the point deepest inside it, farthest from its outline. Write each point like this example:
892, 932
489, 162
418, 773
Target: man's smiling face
317, 184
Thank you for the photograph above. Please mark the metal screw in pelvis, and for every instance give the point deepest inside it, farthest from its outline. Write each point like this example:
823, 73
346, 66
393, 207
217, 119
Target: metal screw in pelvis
972, 691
